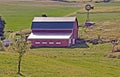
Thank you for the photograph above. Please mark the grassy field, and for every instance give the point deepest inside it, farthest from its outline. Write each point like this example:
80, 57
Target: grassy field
106, 18
19, 17
62, 62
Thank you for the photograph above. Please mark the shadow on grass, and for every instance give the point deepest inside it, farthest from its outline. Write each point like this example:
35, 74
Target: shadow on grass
80, 43
83, 45
20, 74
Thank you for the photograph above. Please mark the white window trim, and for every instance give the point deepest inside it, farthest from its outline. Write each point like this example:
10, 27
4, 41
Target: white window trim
37, 42
51, 42
44, 42
58, 43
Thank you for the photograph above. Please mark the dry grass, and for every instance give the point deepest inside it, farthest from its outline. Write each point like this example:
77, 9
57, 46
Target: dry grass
102, 9
113, 55
107, 30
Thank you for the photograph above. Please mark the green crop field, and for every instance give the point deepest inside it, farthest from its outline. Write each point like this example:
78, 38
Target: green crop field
63, 62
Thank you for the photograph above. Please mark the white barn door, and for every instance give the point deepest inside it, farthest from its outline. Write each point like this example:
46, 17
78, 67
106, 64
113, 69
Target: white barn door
70, 42
73, 41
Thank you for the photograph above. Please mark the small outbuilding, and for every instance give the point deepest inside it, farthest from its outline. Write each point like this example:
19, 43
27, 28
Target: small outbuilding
53, 31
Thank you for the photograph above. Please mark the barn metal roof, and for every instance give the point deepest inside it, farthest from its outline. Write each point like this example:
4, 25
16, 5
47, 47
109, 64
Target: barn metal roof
54, 19
49, 36
52, 25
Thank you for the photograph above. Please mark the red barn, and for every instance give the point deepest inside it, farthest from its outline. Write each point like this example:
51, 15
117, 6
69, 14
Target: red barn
53, 31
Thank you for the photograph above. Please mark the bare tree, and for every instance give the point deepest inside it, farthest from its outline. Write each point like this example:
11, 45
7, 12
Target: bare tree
21, 46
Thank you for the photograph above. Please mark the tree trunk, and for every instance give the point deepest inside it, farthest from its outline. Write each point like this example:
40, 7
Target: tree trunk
19, 63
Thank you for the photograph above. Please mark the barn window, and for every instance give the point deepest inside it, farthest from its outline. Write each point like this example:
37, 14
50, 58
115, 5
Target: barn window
44, 42
37, 42
58, 42
51, 42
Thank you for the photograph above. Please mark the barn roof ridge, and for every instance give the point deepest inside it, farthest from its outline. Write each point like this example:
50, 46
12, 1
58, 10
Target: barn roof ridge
54, 19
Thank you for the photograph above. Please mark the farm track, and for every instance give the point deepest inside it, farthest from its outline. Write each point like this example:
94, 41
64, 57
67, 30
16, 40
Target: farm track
98, 12
70, 14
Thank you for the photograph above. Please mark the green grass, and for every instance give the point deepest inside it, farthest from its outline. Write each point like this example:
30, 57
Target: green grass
100, 17
20, 17
102, 12
62, 62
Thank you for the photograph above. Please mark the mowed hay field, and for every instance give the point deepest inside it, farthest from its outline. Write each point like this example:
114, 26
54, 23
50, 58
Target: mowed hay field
62, 62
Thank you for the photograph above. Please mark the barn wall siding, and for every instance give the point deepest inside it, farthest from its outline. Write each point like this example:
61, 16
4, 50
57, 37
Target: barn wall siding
75, 30
38, 43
